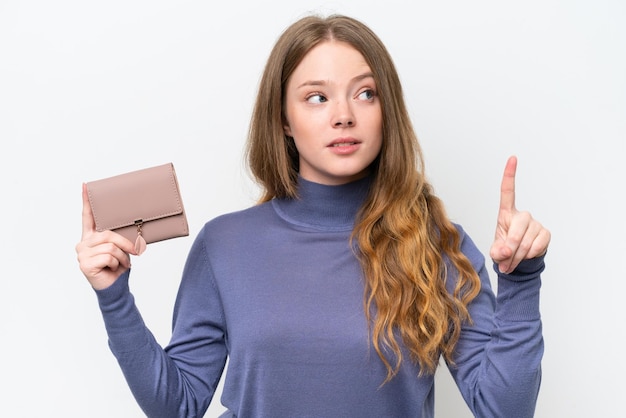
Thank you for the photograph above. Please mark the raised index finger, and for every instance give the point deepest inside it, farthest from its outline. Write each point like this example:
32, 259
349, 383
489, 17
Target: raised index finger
88, 221
507, 188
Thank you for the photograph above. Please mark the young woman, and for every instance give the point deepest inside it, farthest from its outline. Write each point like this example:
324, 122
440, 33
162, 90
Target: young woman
338, 293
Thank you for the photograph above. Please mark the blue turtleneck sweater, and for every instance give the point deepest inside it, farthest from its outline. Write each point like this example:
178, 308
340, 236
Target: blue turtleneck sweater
277, 290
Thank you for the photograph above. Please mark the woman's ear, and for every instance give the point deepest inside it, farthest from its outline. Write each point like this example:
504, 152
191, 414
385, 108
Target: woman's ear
287, 129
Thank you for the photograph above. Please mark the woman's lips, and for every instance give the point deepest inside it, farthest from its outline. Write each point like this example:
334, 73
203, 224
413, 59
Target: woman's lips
344, 146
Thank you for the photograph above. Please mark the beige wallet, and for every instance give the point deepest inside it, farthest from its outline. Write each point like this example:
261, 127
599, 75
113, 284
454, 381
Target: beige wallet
144, 206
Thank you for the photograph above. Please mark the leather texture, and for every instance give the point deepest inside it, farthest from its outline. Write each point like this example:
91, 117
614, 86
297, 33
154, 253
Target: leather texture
145, 202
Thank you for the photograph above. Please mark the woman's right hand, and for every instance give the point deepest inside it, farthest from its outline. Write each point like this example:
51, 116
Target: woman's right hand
102, 256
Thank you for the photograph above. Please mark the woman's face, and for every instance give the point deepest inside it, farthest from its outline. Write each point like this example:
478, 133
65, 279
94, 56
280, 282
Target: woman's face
333, 114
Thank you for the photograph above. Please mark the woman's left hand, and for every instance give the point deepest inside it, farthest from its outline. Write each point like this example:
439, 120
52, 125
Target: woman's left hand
518, 236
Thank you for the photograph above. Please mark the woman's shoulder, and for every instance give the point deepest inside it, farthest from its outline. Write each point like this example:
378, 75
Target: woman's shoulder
238, 223
468, 246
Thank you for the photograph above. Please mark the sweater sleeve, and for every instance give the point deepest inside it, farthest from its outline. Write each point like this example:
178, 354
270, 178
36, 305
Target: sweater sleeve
180, 380
498, 357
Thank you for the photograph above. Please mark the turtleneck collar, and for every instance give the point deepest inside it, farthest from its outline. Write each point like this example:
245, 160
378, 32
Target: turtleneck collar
323, 207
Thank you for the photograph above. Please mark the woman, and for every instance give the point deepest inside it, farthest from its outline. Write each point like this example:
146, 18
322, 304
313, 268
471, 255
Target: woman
337, 294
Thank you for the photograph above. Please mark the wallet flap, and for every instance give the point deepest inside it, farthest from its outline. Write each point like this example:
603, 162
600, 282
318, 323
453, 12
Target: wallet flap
138, 196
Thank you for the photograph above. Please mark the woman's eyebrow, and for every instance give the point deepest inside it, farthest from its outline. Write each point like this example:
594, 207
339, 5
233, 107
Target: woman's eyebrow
359, 77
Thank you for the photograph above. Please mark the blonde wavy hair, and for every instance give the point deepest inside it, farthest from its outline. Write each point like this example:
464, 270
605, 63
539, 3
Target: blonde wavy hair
405, 242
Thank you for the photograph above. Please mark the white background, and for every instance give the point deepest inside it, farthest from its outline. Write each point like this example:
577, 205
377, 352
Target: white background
93, 89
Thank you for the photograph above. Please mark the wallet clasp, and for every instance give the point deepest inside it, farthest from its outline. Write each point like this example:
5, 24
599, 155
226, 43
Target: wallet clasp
140, 242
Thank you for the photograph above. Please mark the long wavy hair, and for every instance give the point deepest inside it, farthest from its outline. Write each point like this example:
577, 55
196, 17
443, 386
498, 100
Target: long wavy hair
405, 243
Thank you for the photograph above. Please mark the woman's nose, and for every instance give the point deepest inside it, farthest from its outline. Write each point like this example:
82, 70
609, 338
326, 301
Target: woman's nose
343, 115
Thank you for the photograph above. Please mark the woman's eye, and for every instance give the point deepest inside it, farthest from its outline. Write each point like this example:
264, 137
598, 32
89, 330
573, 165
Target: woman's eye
316, 98
367, 95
